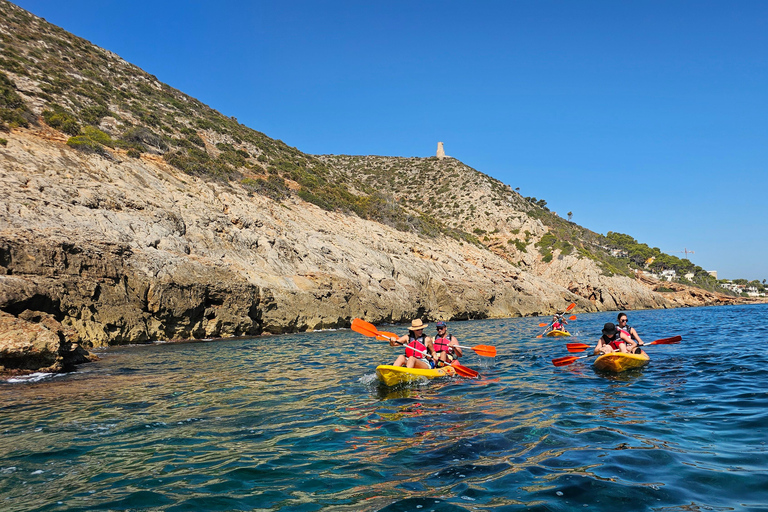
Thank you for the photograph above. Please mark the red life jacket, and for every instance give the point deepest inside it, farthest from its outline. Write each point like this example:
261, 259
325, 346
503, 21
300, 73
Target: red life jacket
615, 341
557, 326
418, 344
441, 344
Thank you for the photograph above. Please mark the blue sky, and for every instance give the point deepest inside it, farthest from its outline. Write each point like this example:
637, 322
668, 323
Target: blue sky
646, 118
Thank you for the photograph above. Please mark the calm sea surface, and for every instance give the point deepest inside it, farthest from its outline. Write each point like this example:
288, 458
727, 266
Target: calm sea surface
299, 423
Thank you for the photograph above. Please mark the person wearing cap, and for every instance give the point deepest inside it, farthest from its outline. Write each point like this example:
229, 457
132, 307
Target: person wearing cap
446, 345
419, 349
612, 340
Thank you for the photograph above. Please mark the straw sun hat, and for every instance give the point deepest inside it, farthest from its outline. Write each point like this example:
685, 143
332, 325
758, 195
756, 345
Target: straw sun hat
416, 325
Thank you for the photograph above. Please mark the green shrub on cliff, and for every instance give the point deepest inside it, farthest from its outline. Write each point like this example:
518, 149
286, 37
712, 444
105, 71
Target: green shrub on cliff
273, 187
197, 162
139, 136
92, 140
13, 110
83, 143
94, 114
61, 119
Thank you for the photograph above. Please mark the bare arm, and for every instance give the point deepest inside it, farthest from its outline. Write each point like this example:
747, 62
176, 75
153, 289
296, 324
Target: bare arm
430, 346
455, 344
599, 346
402, 340
627, 341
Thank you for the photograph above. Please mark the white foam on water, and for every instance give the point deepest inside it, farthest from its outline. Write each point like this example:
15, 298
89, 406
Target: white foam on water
368, 379
32, 377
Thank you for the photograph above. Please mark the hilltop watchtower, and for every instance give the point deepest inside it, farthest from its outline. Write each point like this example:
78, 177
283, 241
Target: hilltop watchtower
440, 150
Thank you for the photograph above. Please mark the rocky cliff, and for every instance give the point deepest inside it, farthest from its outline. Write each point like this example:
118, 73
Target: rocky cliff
131, 212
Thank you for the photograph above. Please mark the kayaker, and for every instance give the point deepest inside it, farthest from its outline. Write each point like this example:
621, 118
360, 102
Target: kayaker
558, 323
446, 345
415, 339
612, 340
630, 331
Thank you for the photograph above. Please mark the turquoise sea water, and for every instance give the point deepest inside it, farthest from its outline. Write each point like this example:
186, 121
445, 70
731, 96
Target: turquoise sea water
299, 423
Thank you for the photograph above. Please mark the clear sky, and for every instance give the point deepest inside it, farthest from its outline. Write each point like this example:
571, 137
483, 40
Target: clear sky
648, 118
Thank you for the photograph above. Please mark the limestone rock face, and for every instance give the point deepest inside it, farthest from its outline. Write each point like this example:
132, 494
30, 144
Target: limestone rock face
133, 250
123, 250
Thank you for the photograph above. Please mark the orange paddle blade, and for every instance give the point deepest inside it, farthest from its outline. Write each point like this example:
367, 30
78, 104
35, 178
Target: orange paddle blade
543, 325
576, 347
364, 328
482, 350
564, 361
570, 307
572, 317
485, 350
464, 371
368, 329
667, 341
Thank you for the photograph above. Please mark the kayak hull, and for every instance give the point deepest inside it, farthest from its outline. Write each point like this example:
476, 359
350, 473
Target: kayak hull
617, 362
394, 375
558, 333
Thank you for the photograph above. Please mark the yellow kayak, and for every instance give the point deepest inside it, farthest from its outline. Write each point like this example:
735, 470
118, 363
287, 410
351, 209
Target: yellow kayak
394, 375
558, 333
618, 362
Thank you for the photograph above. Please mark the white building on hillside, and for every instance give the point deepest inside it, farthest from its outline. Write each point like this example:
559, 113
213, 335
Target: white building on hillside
668, 275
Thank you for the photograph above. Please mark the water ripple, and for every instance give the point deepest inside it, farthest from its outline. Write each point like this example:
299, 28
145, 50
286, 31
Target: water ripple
300, 423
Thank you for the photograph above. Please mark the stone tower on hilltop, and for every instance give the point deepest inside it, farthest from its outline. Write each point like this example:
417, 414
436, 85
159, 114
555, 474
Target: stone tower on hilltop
440, 150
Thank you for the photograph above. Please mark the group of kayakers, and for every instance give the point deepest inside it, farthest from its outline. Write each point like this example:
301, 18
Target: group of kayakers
426, 352
422, 351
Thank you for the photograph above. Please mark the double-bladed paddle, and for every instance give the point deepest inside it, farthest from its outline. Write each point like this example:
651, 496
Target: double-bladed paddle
581, 347
368, 329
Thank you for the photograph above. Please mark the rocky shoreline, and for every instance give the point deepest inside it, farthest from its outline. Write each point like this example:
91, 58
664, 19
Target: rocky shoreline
97, 251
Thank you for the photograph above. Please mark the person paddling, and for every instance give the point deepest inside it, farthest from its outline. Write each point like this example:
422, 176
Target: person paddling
419, 349
558, 323
612, 340
446, 345
630, 331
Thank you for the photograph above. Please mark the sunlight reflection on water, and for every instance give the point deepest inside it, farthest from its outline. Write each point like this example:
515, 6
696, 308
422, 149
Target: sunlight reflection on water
299, 422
